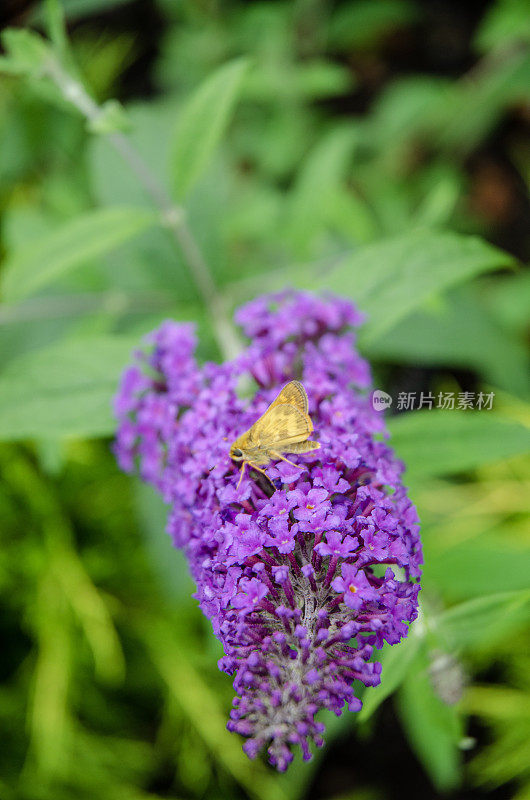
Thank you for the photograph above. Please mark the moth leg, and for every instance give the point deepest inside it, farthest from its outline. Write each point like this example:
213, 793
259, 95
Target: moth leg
241, 473
253, 466
274, 454
264, 473
258, 469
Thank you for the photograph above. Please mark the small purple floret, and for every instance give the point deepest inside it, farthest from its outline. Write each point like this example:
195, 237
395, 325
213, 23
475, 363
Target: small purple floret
291, 579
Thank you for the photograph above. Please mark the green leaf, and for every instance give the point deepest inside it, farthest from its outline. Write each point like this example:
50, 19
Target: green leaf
504, 24
432, 728
472, 109
321, 175
274, 81
395, 661
351, 217
361, 24
169, 561
442, 192
484, 619
75, 9
56, 25
402, 113
496, 561
459, 333
27, 52
87, 236
389, 279
63, 390
202, 124
112, 118
190, 688
441, 442
9, 67
509, 300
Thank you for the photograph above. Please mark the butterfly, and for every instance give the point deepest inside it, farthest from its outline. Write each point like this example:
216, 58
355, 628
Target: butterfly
285, 427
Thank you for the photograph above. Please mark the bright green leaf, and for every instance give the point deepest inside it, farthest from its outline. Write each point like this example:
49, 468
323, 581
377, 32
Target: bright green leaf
504, 24
57, 26
88, 236
202, 124
441, 442
8, 66
63, 390
27, 52
112, 118
389, 279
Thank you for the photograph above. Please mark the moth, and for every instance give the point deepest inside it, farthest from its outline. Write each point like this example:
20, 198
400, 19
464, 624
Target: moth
285, 427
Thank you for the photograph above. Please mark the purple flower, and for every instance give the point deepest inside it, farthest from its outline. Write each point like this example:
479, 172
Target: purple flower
281, 535
335, 545
280, 503
331, 479
311, 505
284, 571
376, 545
251, 593
355, 586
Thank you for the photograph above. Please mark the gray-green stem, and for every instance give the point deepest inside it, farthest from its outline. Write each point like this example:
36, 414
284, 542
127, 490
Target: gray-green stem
174, 216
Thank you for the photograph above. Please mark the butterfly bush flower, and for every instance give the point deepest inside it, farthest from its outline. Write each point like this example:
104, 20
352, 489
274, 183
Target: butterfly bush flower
302, 577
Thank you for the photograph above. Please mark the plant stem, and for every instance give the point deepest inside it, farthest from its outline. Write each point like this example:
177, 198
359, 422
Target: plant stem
174, 216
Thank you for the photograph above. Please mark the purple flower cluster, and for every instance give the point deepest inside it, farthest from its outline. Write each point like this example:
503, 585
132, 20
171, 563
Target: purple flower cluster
302, 581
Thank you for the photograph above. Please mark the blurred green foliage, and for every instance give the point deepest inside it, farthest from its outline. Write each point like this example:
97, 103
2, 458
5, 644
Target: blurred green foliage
278, 144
